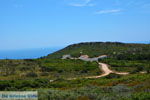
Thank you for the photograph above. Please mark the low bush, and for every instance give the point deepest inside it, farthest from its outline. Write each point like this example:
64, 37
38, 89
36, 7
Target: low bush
31, 74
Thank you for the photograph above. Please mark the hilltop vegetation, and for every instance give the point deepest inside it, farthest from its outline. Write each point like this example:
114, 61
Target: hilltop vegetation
112, 49
121, 56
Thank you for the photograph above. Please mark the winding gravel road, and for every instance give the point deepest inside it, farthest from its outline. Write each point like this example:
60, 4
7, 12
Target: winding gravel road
106, 71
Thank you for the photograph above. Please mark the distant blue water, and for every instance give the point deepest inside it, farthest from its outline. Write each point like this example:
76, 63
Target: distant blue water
26, 54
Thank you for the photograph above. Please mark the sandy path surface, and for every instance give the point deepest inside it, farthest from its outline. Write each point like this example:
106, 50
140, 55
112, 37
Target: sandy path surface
106, 71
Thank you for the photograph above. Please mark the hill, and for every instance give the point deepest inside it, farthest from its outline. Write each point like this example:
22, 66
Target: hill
112, 49
130, 57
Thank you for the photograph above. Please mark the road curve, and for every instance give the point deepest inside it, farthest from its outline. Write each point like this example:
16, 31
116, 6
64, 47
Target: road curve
106, 71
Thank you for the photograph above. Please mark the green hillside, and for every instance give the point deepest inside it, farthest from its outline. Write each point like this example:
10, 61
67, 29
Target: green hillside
112, 49
121, 56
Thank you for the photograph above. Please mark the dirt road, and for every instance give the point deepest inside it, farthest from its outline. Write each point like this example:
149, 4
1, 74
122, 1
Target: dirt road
106, 71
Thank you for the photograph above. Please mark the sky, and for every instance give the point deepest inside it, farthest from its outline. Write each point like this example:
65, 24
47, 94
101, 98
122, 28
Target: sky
56, 23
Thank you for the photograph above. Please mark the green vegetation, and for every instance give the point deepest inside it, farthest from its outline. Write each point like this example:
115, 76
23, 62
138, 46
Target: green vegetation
132, 58
69, 68
112, 49
131, 87
52, 69
49, 75
131, 66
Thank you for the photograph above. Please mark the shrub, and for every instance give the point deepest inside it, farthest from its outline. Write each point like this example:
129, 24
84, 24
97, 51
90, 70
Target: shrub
112, 75
44, 74
31, 74
4, 85
47, 69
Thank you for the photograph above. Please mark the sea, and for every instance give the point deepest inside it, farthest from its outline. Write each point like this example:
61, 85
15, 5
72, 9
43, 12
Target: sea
27, 53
